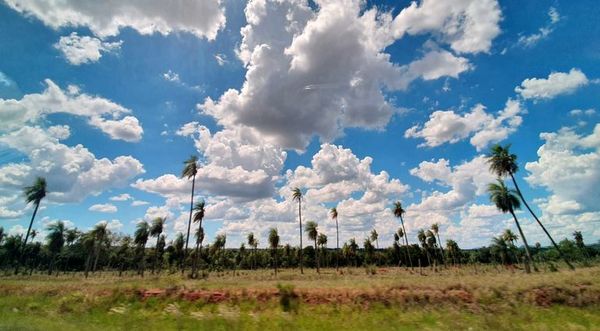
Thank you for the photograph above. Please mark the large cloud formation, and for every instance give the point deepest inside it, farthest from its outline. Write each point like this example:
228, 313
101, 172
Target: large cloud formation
299, 83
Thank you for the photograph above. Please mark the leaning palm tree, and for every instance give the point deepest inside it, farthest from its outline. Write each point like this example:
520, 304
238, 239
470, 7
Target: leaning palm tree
140, 238
56, 241
313, 232
34, 193
274, 243
190, 169
503, 163
436, 230
334, 215
399, 212
252, 242
158, 225
297, 196
507, 202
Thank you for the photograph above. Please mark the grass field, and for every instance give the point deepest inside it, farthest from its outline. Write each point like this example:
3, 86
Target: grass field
390, 299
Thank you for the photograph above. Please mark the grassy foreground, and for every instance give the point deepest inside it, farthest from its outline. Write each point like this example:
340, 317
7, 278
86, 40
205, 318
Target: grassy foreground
391, 299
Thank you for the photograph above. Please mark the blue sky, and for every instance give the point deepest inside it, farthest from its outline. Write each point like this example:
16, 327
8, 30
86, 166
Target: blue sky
358, 103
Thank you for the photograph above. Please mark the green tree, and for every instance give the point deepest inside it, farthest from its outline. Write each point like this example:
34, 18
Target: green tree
334, 216
34, 193
507, 202
422, 237
156, 229
312, 232
274, 243
56, 241
100, 232
253, 242
297, 196
190, 169
199, 212
453, 250
375, 237
399, 213
503, 163
142, 232
436, 230
322, 242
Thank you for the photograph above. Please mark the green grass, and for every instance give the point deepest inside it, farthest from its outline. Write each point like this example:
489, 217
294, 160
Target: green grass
501, 300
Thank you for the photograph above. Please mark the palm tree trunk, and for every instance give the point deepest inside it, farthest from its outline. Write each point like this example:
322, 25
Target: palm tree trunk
317, 256
300, 221
406, 240
37, 205
529, 259
196, 258
96, 259
337, 245
87, 264
441, 249
187, 238
540, 223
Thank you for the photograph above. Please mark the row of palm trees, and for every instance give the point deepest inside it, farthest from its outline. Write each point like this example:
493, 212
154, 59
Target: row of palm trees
501, 162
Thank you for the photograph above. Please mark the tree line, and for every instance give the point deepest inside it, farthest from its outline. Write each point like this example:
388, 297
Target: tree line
71, 250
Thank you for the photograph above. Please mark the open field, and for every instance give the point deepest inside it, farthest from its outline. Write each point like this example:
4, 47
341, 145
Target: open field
492, 298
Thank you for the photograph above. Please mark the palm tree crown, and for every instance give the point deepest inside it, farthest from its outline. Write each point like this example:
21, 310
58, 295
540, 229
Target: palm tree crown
190, 167
273, 238
312, 230
501, 161
36, 192
506, 200
398, 210
157, 227
199, 211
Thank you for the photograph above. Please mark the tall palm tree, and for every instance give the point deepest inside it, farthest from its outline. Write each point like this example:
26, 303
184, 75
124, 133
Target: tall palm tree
274, 243
334, 215
375, 237
503, 163
322, 242
198, 217
312, 232
399, 212
140, 239
56, 241
34, 193
158, 225
190, 169
99, 232
507, 202
297, 196
436, 230
253, 242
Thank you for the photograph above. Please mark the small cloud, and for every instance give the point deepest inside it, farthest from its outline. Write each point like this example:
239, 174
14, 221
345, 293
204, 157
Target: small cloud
171, 76
139, 203
221, 59
104, 208
543, 32
121, 197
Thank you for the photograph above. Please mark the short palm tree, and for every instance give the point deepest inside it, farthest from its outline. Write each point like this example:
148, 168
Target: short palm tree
56, 241
436, 230
334, 215
375, 237
197, 218
199, 239
399, 212
312, 232
140, 239
274, 243
400, 234
99, 233
34, 193
157, 228
422, 237
297, 196
190, 169
507, 202
503, 163
510, 237
253, 242
322, 242
453, 250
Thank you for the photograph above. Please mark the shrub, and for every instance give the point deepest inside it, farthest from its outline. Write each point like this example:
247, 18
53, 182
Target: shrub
288, 299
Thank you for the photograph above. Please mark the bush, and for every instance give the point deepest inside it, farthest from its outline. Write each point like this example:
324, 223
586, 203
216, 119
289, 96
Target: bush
288, 299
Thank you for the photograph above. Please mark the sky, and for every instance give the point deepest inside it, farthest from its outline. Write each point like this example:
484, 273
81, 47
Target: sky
358, 103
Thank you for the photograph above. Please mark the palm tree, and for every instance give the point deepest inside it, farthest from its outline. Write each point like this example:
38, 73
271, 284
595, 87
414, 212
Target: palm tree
375, 237
252, 242
578, 237
369, 250
123, 253
34, 193
436, 230
400, 234
452, 248
499, 247
353, 249
506, 201
334, 215
399, 212
217, 247
297, 196
88, 241
198, 217
178, 244
56, 241
422, 237
1, 234
274, 243
312, 232
142, 232
322, 242
510, 237
190, 169
99, 232
503, 163
158, 225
